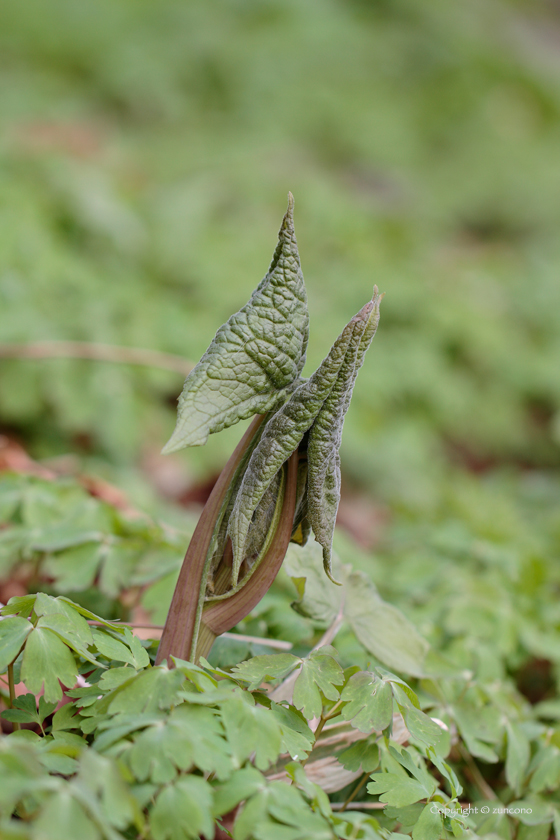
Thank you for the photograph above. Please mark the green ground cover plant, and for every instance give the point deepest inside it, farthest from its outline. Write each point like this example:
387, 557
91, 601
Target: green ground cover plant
424, 715
144, 150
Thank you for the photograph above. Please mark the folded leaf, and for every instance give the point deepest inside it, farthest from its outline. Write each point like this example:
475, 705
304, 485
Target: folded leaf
325, 436
255, 357
284, 432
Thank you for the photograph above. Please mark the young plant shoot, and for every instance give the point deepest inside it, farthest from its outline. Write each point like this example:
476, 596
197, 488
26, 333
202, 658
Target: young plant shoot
283, 480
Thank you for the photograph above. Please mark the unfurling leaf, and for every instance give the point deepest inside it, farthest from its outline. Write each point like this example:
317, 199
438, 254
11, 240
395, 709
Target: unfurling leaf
283, 480
255, 357
326, 434
285, 430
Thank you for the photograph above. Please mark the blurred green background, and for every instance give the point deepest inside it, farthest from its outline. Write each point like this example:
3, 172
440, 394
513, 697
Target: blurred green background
147, 149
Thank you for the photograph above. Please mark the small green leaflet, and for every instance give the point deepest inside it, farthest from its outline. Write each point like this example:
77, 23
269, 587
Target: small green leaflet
13, 633
182, 811
157, 688
46, 661
250, 728
517, 756
19, 605
167, 745
297, 737
370, 702
395, 790
429, 825
65, 629
320, 673
129, 650
404, 757
363, 754
260, 668
422, 727
24, 709
255, 357
242, 785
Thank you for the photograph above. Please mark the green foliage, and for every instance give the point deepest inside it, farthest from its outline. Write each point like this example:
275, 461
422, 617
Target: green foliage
161, 726
61, 537
140, 145
418, 144
244, 372
163, 751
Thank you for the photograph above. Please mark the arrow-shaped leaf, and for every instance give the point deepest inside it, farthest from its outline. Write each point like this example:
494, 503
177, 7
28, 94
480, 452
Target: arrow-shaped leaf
254, 357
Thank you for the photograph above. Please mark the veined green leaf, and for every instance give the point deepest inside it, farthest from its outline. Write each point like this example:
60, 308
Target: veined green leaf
149, 691
65, 630
422, 727
255, 357
396, 790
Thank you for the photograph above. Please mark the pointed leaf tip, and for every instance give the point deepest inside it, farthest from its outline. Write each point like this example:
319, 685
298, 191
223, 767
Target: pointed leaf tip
255, 357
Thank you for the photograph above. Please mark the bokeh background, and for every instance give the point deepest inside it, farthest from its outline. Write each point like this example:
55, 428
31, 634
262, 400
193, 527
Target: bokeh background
147, 150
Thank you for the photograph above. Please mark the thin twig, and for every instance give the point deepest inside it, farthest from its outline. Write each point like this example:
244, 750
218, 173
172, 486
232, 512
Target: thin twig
97, 353
279, 644
476, 775
354, 793
12, 688
359, 806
